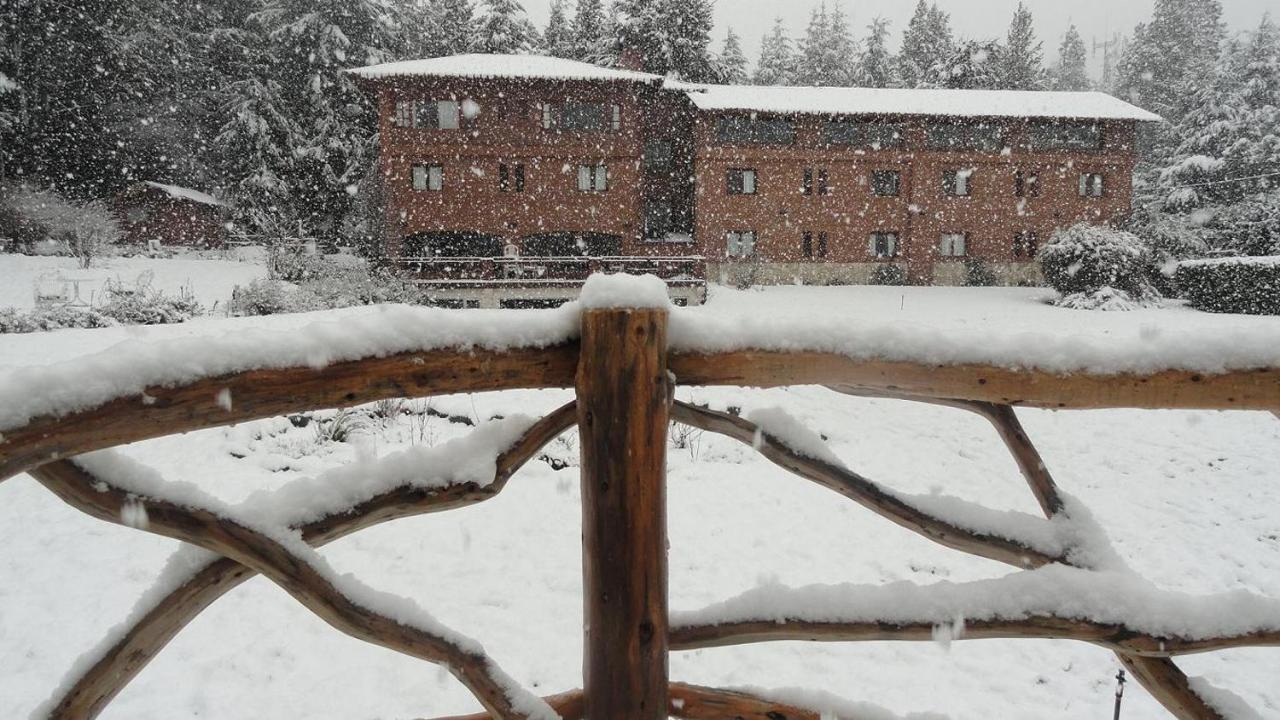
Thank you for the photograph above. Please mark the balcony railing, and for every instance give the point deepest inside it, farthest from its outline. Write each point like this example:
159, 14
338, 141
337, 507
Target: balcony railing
548, 270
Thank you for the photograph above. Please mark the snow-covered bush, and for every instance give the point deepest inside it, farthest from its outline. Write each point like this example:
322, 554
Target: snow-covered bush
293, 264
1092, 260
889, 274
1248, 285
265, 296
332, 287
84, 229
51, 318
978, 274
151, 307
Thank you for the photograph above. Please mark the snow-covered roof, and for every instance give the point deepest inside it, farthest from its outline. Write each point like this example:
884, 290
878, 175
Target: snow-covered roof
7, 85
181, 193
877, 101
527, 67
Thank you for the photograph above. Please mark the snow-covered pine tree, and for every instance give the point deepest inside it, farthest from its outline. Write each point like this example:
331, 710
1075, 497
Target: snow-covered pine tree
590, 36
1072, 72
689, 39
777, 59
927, 46
505, 29
974, 66
1022, 56
876, 66
840, 50
809, 68
733, 63
455, 24
641, 30
557, 37
1167, 54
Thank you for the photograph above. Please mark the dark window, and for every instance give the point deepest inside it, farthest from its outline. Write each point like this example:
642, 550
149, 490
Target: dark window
963, 136
428, 177
748, 129
1026, 184
957, 183
740, 243
1025, 244
824, 182
583, 116
593, 178
822, 244
885, 183
806, 185
884, 244
511, 177
742, 182
657, 219
437, 114
873, 135
1092, 185
806, 243
657, 155
1065, 136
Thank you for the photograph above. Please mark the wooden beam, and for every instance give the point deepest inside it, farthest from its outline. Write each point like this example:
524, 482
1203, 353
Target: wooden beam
254, 394
1172, 389
89, 692
1170, 687
623, 410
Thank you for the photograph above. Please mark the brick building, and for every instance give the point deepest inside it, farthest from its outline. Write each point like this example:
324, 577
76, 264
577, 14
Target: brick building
507, 178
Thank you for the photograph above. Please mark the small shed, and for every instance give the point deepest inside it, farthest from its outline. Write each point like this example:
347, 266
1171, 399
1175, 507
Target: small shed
153, 213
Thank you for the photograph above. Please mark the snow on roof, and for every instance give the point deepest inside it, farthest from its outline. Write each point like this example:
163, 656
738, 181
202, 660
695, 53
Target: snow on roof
879, 101
529, 67
181, 193
7, 85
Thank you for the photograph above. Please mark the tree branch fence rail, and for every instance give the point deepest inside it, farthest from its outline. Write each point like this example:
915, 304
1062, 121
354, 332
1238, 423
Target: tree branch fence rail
625, 378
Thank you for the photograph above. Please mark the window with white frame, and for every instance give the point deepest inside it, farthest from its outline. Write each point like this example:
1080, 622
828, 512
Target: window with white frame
404, 114
885, 183
958, 183
437, 114
742, 181
593, 178
740, 244
952, 244
615, 117
883, 244
429, 177
1091, 185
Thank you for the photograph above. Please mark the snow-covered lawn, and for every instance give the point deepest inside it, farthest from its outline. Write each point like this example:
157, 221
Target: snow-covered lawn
1191, 501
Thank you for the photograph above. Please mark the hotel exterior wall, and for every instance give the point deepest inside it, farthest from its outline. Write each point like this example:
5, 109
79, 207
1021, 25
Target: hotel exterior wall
779, 212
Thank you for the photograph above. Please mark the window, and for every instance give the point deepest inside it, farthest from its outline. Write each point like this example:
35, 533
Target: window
873, 135
806, 186
952, 244
593, 178
511, 177
437, 114
807, 247
824, 183
615, 117
428, 177
1091, 185
1026, 184
657, 219
957, 183
752, 130
1065, 136
740, 244
742, 182
586, 117
404, 114
884, 244
1025, 244
961, 136
548, 116
657, 155
885, 183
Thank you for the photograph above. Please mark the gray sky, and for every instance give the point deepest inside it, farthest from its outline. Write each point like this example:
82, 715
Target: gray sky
1096, 19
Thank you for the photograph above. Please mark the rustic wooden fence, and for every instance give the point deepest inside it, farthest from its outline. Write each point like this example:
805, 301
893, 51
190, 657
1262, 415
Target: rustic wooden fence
625, 378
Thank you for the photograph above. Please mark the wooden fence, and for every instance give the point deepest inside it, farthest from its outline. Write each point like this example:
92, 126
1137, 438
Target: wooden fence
625, 379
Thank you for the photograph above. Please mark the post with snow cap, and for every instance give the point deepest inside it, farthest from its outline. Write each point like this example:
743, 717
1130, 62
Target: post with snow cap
623, 411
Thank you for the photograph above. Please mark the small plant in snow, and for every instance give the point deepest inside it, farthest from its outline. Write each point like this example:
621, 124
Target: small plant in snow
889, 274
1097, 267
339, 427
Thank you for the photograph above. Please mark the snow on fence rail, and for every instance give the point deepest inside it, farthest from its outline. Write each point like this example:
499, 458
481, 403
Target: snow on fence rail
623, 349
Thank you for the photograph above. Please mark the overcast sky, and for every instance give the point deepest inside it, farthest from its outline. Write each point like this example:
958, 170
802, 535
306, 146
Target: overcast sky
1096, 19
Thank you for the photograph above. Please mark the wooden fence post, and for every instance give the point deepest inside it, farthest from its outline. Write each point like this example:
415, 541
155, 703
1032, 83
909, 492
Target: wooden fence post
623, 411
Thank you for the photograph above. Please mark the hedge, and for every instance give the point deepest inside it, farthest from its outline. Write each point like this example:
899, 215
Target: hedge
1246, 285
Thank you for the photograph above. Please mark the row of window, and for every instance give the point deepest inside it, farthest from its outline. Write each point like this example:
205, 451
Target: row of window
875, 135
741, 244
450, 115
888, 183
511, 177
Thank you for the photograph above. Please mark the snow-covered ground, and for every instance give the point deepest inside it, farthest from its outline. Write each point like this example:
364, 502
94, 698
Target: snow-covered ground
1190, 500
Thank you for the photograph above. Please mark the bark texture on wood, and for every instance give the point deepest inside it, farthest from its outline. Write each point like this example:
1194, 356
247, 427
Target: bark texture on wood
292, 573
863, 491
1173, 389
96, 685
623, 412
271, 392
1170, 687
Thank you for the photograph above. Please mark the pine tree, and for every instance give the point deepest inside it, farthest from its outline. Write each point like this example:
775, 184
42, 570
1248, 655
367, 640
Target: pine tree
689, 39
974, 66
777, 61
828, 55
557, 38
809, 68
1022, 56
876, 66
927, 46
733, 63
504, 29
455, 25
590, 32
1072, 72
1180, 44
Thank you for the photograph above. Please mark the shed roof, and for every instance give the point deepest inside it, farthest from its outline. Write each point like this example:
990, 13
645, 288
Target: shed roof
181, 193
